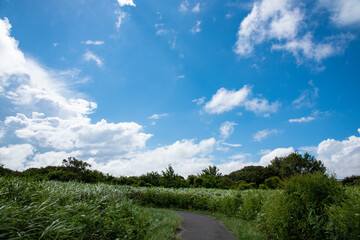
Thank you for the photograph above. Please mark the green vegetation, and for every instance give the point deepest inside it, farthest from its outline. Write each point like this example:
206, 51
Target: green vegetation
55, 210
250, 177
292, 198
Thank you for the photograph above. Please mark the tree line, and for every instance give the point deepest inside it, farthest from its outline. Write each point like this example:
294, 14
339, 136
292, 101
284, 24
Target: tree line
249, 177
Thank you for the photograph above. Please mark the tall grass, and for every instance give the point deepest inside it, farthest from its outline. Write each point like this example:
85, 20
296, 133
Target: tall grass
55, 210
311, 206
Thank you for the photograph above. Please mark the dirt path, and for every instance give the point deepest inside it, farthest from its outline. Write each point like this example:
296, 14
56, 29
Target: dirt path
197, 226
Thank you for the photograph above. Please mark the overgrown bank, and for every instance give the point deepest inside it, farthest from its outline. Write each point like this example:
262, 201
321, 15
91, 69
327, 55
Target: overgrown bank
310, 206
55, 210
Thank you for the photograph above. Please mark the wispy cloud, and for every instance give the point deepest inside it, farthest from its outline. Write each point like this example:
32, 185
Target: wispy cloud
343, 13
158, 116
232, 144
199, 101
302, 119
261, 135
196, 28
121, 16
226, 129
307, 97
196, 9
90, 42
184, 6
89, 56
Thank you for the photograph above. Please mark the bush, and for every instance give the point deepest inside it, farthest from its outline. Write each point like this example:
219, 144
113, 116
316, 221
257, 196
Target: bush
273, 182
252, 201
351, 181
300, 211
344, 219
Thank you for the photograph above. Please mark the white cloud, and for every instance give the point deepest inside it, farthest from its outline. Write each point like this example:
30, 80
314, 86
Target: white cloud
307, 97
260, 135
226, 129
50, 158
341, 157
123, 3
121, 16
196, 28
186, 157
232, 144
302, 119
239, 156
55, 44
268, 19
259, 106
15, 156
196, 9
284, 22
278, 152
343, 12
305, 47
225, 100
89, 56
184, 6
90, 42
28, 85
157, 116
199, 101
78, 133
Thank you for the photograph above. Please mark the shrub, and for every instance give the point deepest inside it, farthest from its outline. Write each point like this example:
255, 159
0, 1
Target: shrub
273, 182
344, 219
300, 211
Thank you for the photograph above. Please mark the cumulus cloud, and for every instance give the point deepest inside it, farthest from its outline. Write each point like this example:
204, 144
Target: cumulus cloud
260, 135
225, 100
343, 12
25, 83
123, 3
278, 152
226, 129
78, 133
186, 156
15, 156
341, 157
283, 22
90, 42
89, 56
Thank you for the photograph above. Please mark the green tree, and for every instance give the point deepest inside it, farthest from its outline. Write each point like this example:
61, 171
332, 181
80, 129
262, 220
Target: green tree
170, 179
72, 162
295, 164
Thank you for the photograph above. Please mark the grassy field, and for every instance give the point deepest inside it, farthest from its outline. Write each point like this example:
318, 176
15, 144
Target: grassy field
308, 207
56, 210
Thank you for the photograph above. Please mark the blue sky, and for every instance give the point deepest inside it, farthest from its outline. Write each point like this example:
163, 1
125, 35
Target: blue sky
132, 86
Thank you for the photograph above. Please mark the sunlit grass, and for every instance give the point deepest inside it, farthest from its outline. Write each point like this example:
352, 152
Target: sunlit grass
56, 210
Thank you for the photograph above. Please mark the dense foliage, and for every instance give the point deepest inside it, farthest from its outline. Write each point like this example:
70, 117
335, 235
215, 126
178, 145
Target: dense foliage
310, 206
249, 177
55, 210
